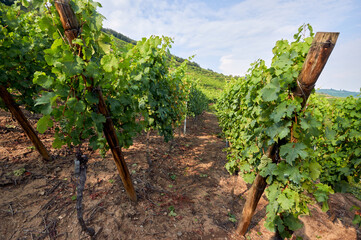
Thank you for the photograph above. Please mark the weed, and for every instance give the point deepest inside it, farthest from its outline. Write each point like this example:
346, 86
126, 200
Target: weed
19, 172
232, 218
172, 176
172, 211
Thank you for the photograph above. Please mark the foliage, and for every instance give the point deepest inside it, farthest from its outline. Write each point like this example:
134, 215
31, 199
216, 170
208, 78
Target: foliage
21, 49
338, 146
260, 110
357, 218
207, 81
7, 2
197, 103
139, 88
317, 148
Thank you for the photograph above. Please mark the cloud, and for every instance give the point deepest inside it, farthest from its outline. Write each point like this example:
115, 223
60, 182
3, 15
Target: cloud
229, 38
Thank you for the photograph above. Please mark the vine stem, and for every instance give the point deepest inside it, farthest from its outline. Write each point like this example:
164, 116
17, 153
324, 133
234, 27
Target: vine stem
80, 172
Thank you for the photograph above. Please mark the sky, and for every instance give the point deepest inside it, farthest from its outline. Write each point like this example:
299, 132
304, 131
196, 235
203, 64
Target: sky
227, 36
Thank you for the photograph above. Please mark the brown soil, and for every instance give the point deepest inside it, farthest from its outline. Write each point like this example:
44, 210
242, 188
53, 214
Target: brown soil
187, 194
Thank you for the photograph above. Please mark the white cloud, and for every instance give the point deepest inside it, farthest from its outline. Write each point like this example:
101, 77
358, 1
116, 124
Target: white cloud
228, 39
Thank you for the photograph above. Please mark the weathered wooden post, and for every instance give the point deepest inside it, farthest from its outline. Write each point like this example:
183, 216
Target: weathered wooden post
316, 59
72, 28
24, 123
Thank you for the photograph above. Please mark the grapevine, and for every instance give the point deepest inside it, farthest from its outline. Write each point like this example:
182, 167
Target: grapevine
261, 110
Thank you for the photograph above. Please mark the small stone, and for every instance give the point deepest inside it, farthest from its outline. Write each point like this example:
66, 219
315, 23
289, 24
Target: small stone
179, 234
42, 193
58, 169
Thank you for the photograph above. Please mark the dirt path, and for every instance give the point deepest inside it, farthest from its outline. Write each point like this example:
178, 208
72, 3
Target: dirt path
188, 194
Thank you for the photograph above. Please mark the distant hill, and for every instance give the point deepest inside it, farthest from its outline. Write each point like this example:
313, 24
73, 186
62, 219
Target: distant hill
337, 93
119, 36
209, 82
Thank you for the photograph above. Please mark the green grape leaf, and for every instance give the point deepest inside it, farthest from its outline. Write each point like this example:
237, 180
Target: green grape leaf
291, 151
285, 202
44, 123
294, 174
282, 110
272, 192
98, 119
108, 62
43, 80
46, 101
268, 170
315, 170
330, 134
278, 130
249, 177
46, 98
292, 222
322, 192
271, 90
58, 142
72, 68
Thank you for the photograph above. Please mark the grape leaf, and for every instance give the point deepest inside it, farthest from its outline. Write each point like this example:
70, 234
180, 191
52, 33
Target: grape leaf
285, 202
44, 123
291, 151
270, 91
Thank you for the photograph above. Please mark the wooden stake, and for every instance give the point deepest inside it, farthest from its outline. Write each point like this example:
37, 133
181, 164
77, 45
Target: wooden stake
23, 121
316, 59
71, 28
254, 195
112, 139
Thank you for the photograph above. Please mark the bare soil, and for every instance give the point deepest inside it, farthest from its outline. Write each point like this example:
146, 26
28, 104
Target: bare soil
186, 194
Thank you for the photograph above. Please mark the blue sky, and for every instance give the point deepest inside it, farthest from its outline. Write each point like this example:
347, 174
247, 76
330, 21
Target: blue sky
227, 36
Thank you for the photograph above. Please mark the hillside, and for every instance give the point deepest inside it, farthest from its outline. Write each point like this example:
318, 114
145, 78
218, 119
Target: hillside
337, 93
209, 82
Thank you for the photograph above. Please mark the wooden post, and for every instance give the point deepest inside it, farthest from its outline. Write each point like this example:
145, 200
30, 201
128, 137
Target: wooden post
316, 59
254, 195
71, 28
112, 139
20, 117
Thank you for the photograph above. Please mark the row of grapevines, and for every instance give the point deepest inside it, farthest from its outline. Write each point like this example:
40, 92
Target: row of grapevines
22, 45
138, 86
260, 110
338, 146
198, 101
